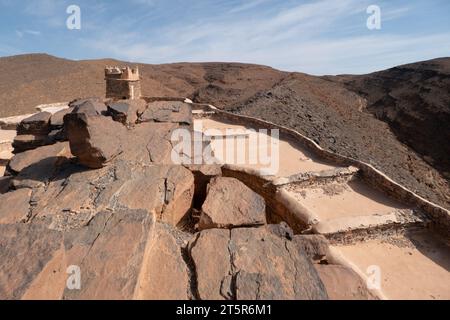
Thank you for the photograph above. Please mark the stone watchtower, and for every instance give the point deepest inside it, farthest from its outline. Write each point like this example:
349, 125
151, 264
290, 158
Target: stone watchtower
122, 83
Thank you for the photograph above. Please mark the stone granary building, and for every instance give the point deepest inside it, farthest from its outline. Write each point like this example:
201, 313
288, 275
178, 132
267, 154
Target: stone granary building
122, 83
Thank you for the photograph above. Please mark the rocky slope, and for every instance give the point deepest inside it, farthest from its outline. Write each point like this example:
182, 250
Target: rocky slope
335, 118
414, 100
25, 81
324, 109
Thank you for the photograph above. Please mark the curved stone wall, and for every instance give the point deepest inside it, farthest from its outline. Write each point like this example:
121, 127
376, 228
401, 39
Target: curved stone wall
440, 216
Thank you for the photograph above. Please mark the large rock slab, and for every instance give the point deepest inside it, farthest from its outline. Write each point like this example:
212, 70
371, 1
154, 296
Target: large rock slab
168, 111
164, 274
94, 140
230, 203
36, 168
211, 258
75, 194
126, 111
25, 251
15, 206
89, 106
25, 159
37, 124
252, 264
109, 252
166, 191
151, 143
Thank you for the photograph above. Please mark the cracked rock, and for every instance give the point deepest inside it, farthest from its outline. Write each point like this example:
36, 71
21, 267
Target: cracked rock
126, 111
229, 204
14, 206
168, 111
164, 274
259, 265
94, 140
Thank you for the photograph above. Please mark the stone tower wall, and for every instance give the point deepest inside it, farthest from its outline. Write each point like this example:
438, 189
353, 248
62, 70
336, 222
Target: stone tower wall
122, 89
122, 83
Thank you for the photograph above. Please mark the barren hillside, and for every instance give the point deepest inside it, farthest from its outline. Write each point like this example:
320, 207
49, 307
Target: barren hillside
414, 100
334, 117
29, 80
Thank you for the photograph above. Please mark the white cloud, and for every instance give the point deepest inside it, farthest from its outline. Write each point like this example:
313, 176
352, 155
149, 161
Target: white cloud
303, 38
21, 33
250, 4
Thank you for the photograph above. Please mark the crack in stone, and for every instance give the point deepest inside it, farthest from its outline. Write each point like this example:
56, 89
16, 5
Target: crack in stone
233, 272
98, 235
192, 271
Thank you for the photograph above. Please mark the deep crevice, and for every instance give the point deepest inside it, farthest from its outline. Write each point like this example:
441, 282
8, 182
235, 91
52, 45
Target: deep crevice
192, 272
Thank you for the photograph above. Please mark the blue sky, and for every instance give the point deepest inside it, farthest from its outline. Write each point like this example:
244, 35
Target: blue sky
317, 37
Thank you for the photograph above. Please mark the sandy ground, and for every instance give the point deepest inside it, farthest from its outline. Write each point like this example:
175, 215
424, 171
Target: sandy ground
416, 266
344, 200
290, 158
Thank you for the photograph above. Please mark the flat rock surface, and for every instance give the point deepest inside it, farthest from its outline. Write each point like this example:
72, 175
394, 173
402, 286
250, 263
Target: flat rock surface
230, 203
164, 275
108, 254
25, 250
15, 206
167, 111
259, 265
32, 157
